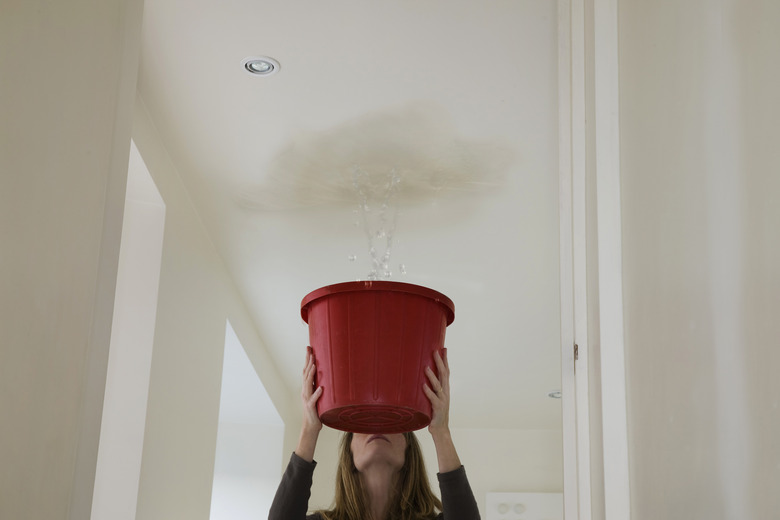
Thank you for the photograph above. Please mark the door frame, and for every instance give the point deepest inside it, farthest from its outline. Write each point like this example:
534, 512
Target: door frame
578, 20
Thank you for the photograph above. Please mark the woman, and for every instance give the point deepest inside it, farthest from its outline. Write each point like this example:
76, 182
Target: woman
379, 477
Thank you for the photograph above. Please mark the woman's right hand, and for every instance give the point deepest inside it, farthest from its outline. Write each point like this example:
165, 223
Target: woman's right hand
310, 395
311, 424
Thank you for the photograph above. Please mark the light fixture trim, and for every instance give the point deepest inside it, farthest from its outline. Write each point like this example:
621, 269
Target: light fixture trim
260, 66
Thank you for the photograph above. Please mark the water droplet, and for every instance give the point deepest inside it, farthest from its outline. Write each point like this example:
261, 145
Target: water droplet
380, 233
402, 268
352, 258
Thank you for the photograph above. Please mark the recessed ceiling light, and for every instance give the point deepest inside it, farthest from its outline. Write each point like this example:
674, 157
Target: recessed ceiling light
260, 65
555, 394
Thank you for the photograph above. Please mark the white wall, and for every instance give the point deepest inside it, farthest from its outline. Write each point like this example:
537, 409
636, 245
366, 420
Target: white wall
504, 460
700, 162
66, 93
196, 299
250, 441
246, 472
130, 356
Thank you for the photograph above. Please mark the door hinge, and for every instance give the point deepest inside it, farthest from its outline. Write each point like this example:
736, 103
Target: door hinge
576, 356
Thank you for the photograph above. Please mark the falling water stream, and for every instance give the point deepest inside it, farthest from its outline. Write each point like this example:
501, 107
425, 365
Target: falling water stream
377, 215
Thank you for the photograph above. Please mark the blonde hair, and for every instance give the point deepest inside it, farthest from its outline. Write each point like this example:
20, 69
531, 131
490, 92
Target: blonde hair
414, 498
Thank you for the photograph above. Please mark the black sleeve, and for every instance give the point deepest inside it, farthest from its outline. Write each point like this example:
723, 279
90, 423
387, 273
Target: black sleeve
292, 497
457, 499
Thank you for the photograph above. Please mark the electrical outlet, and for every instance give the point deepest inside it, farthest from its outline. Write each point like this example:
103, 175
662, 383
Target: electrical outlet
524, 506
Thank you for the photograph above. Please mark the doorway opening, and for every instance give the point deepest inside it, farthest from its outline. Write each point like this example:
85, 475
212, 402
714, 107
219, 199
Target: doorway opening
250, 440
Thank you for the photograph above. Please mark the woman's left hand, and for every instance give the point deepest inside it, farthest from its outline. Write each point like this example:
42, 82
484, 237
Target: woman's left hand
438, 392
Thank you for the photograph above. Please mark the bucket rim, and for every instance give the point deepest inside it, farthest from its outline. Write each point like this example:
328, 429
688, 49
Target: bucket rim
378, 285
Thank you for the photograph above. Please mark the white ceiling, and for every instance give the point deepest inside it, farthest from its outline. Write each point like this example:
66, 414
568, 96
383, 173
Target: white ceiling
459, 96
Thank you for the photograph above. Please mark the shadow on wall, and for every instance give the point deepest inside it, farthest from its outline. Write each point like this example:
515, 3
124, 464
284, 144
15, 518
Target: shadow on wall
418, 144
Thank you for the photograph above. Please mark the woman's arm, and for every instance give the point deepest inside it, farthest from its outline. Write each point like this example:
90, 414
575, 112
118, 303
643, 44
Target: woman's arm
291, 501
457, 499
292, 497
439, 394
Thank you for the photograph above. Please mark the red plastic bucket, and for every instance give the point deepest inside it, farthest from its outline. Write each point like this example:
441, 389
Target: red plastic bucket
372, 341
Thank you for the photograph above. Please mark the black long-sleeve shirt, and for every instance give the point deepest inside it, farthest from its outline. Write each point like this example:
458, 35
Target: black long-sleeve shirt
292, 497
